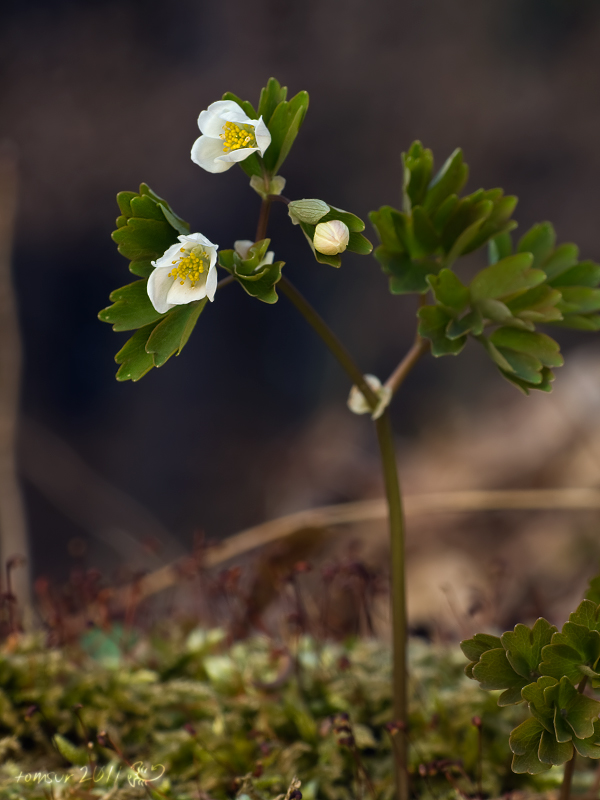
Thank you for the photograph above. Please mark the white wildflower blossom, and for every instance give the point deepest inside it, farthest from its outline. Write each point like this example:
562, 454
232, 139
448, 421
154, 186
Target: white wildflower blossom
331, 237
186, 272
228, 136
358, 404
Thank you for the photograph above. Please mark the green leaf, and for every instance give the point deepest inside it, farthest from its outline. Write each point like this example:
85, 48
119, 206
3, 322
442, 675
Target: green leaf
593, 590
579, 300
74, 755
262, 284
587, 614
131, 307
144, 238
463, 225
537, 345
500, 247
494, 671
449, 180
590, 747
524, 742
134, 360
470, 323
247, 107
124, 201
449, 290
545, 385
561, 260
506, 277
553, 752
539, 241
425, 236
417, 168
283, 127
172, 333
357, 243
353, 223
432, 325
480, 643
523, 647
576, 709
533, 693
537, 304
270, 97
586, 273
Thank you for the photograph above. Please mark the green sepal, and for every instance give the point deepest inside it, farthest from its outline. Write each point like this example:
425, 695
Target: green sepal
134, 360
525, 742
433, 322
131, 307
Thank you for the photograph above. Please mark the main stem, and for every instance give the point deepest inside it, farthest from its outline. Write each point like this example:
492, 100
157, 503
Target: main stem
387, 451
385, 439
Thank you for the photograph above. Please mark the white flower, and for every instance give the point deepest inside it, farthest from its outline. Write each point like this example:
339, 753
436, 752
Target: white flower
358, 404
242, 246
228, 136
331, 237
186, 272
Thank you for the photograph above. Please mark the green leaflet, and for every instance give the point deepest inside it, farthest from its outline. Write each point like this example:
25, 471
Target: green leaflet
256, 280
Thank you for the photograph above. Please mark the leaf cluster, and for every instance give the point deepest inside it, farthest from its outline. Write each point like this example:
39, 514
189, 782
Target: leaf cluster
146, 228
257, 279
549, 670
537, 283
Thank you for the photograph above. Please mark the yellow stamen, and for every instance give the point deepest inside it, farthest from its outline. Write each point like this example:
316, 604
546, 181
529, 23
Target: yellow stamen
236, 137
191, 266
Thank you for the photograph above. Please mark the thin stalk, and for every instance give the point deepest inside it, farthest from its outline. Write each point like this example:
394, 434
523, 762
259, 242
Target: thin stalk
565, 789
398, 591
396, 379
336, 348
263, 219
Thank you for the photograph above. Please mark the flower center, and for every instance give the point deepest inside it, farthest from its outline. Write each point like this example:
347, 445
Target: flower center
235, 137
190, 266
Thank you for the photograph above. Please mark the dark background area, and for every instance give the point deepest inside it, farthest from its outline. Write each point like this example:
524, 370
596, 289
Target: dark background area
99, 96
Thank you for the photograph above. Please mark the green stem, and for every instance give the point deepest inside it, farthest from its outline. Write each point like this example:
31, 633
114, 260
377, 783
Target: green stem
398, 376
263, 219
329, 338
398, 591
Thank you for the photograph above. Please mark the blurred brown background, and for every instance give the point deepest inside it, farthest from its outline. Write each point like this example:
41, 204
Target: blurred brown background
99, 96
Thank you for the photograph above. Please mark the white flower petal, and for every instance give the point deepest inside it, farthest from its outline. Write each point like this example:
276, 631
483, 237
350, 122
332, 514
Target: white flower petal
268, 259
236, 155
159, 284
196, 238
180, 295
242, 246
211, 283
237, 115
211, 120
168, 257
262, 135
206, 152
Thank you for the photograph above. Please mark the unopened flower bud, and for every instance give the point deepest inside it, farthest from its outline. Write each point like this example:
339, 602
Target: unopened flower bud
357, 402
331, 237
